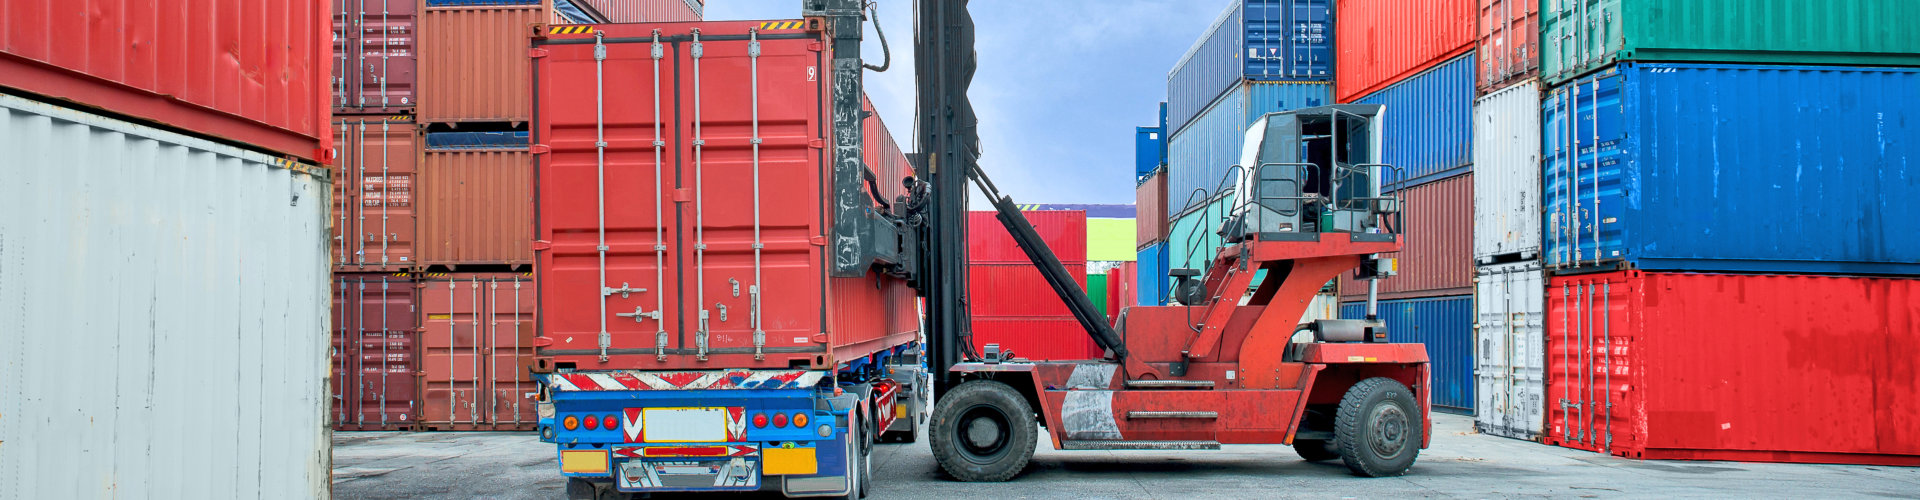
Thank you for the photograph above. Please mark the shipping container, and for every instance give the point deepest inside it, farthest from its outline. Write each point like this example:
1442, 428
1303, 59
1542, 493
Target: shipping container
1154, 283
376, 321
1769, 368
1150, 217
374, 226
1428, 124
1201, 156
1121, 294
1149, 147
476, 200
1510, 350
477, 343
1774, 169
1445, 326
460, 42
1581, 36
1097, 292
1508, 47
374, 69
1111, 239
1194, 240
253, 74
1437, 257
1506, 180
1064, 231
1382, 42
1038, 339
700, 211
644, 11
167, 321
1252, 40
1017, 289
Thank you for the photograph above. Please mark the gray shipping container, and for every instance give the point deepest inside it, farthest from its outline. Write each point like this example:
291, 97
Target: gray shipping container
165, 309
1506, 189
1510, 350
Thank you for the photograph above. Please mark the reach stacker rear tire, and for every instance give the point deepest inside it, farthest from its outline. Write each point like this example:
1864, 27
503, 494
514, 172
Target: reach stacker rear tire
982, 431
1378, 429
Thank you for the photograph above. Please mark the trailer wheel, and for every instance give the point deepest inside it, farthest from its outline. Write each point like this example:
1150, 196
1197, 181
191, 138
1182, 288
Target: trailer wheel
982, 431
1315, 450
581, 489
1377, 431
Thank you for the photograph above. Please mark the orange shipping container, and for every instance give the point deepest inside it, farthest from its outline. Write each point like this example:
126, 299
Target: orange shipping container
1438, 256
373, 185
473, 62
477, 345
1385, 41
476, 207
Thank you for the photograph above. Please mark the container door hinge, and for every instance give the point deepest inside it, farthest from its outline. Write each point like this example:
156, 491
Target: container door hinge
542, 245
543, 341
820, 338
817, 144
682, 195
537, 53
540, 149
816, 46
818, 241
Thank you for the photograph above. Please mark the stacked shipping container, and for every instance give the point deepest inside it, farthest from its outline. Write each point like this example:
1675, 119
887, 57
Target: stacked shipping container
1011, 303
446, 189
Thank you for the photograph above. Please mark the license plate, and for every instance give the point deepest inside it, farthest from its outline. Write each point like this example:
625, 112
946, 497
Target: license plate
691, 425
736, 472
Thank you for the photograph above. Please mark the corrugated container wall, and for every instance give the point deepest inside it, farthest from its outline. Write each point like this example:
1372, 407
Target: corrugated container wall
1445, 326
1786, 169
1429, 123
374, 55
1150, 218
1511, 350
1647, 366
1064, 231
1200, 156
1506, 179
1017, 290
459, 42
1149, 146
476, 205
374, 225
1437, 258
1154, 283
1581, 36
1382, 42
646, 11
1040, 339
1508, 47
376, 321
476, 343
254, 74
150, 277
1257, 40
1194, 239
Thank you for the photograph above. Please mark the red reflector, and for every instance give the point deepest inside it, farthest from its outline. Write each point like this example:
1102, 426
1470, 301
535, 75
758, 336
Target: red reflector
759, 420
590, 422
612, 422
779, 420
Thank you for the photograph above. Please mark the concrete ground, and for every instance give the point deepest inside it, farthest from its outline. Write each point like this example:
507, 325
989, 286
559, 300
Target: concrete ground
1460, 464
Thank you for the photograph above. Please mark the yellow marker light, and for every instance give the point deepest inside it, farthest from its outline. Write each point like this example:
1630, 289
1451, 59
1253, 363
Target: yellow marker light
899, 410
571, 422
584, 462
800, 420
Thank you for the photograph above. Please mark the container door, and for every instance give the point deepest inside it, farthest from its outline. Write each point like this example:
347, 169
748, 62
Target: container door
1579, 36
1590, 343
1511, 351
376, 231
1506, 179
385, 74
346, 47
375, 329
1509, 47
478, 341
1587, 164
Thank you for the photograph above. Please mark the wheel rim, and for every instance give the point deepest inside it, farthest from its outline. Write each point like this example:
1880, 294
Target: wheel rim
984, 433
1388, 430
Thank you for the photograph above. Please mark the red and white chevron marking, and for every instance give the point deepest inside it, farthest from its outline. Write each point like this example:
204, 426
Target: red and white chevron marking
635, 380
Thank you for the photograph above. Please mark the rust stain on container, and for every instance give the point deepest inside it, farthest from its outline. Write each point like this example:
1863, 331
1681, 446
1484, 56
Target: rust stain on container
476, 346
374, 226
474, 65
1438, 256
476, 207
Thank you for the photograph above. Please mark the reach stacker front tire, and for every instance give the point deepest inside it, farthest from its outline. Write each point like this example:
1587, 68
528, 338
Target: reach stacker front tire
1378, 429
982, 431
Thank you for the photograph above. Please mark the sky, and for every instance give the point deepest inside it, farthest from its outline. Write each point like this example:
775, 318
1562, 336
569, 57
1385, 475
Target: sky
1060, 87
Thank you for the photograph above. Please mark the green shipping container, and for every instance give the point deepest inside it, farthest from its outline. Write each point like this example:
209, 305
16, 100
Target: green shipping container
1580, 36
1097, 290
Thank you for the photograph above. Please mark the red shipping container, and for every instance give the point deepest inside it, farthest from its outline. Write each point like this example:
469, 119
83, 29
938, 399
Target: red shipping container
473, 62
477, 348
253, 73
1385, 41
810, 318
374, 55
1065, 232
1766, 368
374, 224
375, 357
1150, 211
475, 207
1010, 289
1437, 258
1040, 339
1508, 46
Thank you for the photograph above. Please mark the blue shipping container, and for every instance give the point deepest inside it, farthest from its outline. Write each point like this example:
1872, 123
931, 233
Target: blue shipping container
1152, 273
477, 140
1200, 157
1445, 325
1260, 40
1149, 146
1774, 169
1429, 123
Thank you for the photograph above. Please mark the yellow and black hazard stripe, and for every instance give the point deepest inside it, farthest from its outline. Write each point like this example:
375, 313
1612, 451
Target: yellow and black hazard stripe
571, 29
782, 25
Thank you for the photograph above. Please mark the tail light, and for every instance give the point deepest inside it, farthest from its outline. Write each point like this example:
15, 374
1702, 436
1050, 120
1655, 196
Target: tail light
800, 420
779, 420
592, 423
611, 423
760, 420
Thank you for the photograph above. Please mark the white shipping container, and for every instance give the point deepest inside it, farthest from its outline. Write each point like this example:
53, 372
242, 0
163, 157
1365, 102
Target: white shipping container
163, 314
1510, 349
1506, 181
